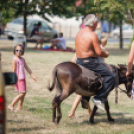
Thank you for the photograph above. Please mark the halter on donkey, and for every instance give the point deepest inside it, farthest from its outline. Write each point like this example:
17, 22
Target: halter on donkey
69, 78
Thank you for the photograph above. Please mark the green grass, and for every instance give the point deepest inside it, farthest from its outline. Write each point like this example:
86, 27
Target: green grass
36, 118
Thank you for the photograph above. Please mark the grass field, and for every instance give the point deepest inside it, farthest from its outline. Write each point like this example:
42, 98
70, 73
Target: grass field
36, 118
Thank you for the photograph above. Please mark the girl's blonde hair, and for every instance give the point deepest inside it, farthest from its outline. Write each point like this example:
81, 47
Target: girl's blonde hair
104, 41
22, 46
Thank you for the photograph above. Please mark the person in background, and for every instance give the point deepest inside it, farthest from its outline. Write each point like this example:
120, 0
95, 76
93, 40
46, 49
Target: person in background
105, 29
58, 43
130, 65
130, 60
132, 95
36, 35
18, 66
82, 24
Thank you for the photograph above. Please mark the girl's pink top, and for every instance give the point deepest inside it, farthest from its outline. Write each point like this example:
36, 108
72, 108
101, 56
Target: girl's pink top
82, 25
20, 72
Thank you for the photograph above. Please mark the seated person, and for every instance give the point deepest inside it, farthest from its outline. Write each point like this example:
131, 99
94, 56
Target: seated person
36, 35
60, 43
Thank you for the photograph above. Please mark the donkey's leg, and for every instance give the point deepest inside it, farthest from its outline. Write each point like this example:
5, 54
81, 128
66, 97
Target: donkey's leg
68, 89
62, 97
54, 109
108, 112
91, 119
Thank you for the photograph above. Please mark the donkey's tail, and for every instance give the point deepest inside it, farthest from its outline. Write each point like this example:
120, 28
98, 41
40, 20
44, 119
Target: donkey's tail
54, 75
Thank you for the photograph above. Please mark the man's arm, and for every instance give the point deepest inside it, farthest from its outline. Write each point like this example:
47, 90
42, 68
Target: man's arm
39, 33
130, 60
54, 40
97, 47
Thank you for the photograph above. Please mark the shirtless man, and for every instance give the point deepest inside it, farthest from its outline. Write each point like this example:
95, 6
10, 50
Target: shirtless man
87, 51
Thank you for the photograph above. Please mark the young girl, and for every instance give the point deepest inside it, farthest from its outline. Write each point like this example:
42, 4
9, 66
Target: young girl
18, 66
103, 43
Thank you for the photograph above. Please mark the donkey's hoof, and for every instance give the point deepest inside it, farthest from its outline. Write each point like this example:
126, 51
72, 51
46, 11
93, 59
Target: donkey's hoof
92, 122
58, 118
110, 119
54, 120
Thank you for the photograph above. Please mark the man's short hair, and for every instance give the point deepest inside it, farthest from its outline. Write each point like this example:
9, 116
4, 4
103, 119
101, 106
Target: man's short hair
39, 23
90, 19
61, 34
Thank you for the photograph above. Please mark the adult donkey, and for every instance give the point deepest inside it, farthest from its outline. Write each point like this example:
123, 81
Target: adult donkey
68, 78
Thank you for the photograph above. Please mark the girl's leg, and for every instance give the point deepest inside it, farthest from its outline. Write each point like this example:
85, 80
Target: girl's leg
15, 100
75, 105
89, 110
21, 100
41, 44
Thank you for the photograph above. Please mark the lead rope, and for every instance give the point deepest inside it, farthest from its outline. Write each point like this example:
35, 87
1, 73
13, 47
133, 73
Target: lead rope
116, 94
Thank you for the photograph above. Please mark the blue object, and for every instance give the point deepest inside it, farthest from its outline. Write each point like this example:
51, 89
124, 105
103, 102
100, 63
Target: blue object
46, 47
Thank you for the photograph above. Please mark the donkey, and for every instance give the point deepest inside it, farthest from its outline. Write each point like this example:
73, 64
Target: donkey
68, 78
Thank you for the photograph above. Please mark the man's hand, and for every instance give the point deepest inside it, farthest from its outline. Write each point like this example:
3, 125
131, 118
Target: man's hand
104, 54
107, 53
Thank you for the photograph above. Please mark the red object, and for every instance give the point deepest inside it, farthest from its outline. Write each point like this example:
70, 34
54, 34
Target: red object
54, 50
78, 3
22, 29
2, 102
5, 26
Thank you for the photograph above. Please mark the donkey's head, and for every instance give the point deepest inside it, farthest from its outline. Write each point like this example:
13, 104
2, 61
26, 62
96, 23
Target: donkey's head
128, 81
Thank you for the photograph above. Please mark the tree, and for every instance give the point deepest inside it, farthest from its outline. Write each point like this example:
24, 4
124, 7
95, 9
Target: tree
118, 11
5, 16
40, 7
113, 10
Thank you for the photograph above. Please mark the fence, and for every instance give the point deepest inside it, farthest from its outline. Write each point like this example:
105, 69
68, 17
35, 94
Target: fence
69, 31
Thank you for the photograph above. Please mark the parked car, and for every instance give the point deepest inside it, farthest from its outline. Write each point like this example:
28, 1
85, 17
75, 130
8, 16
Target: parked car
5, 79
16, 26
127, 31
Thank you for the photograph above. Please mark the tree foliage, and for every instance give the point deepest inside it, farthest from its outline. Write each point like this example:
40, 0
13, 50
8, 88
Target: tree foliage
113, 10
40, 7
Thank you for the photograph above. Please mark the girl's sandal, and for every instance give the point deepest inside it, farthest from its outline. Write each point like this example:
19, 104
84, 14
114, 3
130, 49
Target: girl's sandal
10, 108
72, 117
17, 110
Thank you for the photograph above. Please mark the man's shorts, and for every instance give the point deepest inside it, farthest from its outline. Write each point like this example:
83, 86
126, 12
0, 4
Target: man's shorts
36, 37
60, 46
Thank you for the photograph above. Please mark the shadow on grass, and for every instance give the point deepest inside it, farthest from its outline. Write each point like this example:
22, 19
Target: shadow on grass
35, 109
120, 120
19, 121
25, 129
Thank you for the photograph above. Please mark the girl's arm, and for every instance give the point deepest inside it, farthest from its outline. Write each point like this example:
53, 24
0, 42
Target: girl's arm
130, 60
13, 65
29, 71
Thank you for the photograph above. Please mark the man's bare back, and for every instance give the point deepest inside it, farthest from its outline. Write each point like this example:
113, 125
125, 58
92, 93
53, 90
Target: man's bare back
87, 45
